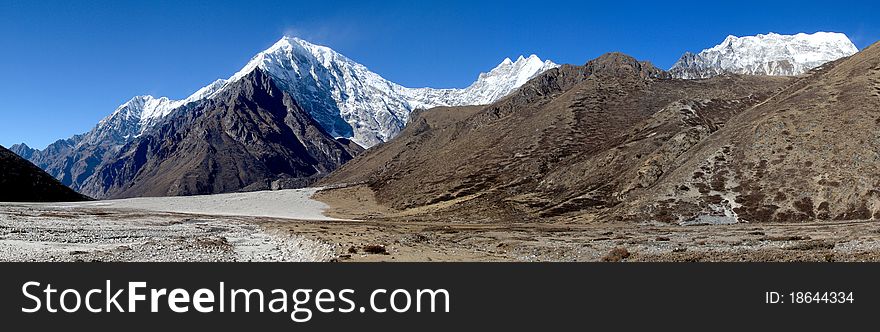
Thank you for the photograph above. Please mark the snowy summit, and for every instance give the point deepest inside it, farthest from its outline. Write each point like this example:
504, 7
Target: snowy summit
770, 54
344, 97
348, 100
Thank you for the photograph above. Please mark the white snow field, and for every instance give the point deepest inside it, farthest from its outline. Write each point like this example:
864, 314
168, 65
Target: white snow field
770, 54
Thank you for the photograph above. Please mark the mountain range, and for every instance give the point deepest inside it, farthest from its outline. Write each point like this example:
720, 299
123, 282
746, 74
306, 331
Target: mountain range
251, 136
342, 97
527, 139
769, 54
574, 138
620, 140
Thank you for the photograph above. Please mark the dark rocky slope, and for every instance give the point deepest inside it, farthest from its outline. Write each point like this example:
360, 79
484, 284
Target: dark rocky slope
67, 161
21, 181
252, 136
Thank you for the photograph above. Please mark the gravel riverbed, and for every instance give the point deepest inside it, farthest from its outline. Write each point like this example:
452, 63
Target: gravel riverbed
52, 233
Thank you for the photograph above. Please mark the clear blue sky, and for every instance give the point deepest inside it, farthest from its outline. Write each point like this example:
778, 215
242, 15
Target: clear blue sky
67, 64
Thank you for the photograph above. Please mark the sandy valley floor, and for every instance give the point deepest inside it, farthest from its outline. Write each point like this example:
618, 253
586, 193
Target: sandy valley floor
290, 226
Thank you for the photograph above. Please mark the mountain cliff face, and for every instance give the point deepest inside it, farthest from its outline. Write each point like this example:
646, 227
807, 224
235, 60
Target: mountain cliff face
21, 181
343, 97
67, 160
250, 136
770, 54
22, 150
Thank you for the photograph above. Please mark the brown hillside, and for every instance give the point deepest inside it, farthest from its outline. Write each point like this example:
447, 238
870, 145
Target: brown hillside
573, 140
809, 152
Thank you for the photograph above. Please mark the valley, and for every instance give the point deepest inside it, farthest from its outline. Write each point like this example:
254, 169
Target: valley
758, 156
293, 228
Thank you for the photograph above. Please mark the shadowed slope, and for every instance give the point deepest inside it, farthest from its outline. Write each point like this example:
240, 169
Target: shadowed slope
21, 181
252, 136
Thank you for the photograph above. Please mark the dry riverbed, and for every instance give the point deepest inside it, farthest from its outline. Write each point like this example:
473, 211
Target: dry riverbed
197, 228
291, 226
412, 235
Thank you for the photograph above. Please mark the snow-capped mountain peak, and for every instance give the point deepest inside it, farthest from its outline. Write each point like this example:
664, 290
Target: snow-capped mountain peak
293, 52
522, 66
141, 113
349, 100
506, 77
343, 96
765, 54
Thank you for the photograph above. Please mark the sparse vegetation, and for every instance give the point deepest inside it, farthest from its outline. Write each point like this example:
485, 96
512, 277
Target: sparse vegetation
616, 255
786, 238
375, 249
812, 245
